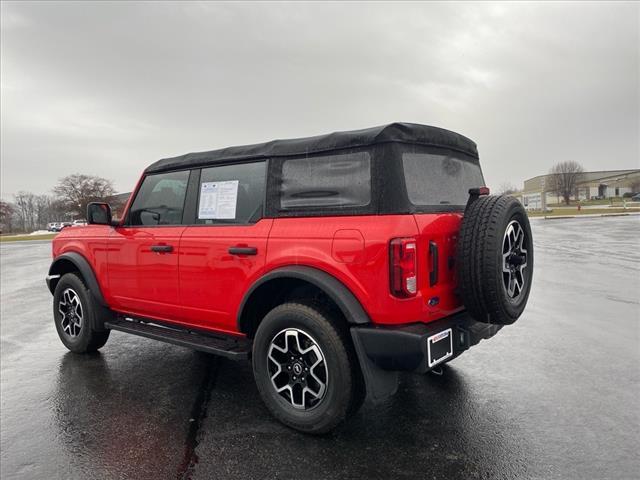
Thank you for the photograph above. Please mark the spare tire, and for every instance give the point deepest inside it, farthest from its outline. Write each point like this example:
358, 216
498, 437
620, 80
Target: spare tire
495, 259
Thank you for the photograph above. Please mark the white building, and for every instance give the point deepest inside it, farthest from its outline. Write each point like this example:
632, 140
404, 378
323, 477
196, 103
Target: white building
601, 184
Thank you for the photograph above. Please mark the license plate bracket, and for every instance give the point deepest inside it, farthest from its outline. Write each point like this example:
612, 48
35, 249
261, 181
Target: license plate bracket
439, 347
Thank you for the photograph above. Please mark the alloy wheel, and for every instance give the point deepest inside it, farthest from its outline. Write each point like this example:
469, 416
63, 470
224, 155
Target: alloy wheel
70, 308
514, 260
297, 368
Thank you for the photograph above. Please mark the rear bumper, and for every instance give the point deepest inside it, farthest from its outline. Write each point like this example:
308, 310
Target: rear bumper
405, 348
383, 351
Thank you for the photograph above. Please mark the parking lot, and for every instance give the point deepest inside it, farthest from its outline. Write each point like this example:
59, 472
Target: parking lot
553, 396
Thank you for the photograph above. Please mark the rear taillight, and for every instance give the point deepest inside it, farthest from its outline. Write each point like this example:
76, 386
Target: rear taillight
403, 270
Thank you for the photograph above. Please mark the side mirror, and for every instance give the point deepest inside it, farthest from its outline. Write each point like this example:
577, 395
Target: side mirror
98, 213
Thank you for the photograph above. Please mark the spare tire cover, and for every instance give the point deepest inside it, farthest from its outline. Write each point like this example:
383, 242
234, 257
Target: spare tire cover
495, 259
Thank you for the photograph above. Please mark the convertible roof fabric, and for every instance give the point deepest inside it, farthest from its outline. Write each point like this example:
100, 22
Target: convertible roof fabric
408, 133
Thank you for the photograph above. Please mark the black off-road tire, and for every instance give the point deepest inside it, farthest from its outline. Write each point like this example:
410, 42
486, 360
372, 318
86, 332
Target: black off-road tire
344, 389
86, 338
480, 260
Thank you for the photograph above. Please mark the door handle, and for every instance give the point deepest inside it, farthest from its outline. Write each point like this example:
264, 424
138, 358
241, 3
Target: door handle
243, 250
433, 274
162, 248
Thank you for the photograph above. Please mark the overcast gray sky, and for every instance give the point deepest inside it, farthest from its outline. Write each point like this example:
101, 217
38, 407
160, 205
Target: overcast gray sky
107, 88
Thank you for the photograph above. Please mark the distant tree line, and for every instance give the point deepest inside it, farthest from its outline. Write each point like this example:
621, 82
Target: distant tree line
70, 197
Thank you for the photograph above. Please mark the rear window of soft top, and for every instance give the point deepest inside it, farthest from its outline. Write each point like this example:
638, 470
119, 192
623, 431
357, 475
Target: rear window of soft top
436, 180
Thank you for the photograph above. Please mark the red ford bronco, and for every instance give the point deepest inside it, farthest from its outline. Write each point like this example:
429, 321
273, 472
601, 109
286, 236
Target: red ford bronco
332, 262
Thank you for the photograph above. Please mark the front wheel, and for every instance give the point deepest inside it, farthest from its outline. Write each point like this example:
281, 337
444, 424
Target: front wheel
305, 368
74, 311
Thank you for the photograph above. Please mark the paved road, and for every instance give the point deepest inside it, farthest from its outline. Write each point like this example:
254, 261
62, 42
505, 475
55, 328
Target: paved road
553, 396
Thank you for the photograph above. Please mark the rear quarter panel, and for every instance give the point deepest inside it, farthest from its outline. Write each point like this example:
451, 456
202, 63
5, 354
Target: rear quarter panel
332, 244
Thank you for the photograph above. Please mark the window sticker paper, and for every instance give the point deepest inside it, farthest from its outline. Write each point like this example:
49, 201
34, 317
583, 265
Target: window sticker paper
218, 200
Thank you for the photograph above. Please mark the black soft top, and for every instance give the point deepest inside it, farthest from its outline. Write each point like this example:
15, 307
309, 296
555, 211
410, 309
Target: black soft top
410, 133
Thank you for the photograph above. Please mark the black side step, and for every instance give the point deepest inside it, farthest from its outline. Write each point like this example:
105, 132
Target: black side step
231, 347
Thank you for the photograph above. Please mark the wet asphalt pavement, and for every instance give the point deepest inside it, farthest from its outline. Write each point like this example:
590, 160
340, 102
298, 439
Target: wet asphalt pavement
554, 396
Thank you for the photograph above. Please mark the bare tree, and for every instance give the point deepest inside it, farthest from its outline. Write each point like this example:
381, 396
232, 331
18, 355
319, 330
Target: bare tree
46, 210
563, 179
58, 211
507, 188
76, 191
7, 212
33, 212
25, 210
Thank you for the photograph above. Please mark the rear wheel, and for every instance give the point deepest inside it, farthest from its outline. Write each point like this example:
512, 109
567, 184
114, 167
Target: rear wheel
74, 311
495, 259
305, 368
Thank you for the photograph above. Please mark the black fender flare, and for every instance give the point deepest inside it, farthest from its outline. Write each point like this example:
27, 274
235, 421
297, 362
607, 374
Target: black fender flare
85, 270
346, 301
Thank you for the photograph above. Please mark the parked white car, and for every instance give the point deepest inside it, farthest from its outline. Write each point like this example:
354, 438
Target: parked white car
54, 226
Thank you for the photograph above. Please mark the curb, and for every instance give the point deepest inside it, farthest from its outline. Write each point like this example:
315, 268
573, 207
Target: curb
585, 215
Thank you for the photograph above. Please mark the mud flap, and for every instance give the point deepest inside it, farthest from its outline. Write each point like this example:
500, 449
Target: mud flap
380, 384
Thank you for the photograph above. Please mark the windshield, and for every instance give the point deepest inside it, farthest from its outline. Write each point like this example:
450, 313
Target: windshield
439, 179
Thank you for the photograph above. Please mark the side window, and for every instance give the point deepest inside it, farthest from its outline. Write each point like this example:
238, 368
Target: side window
231, 194
160, 200
342, 180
